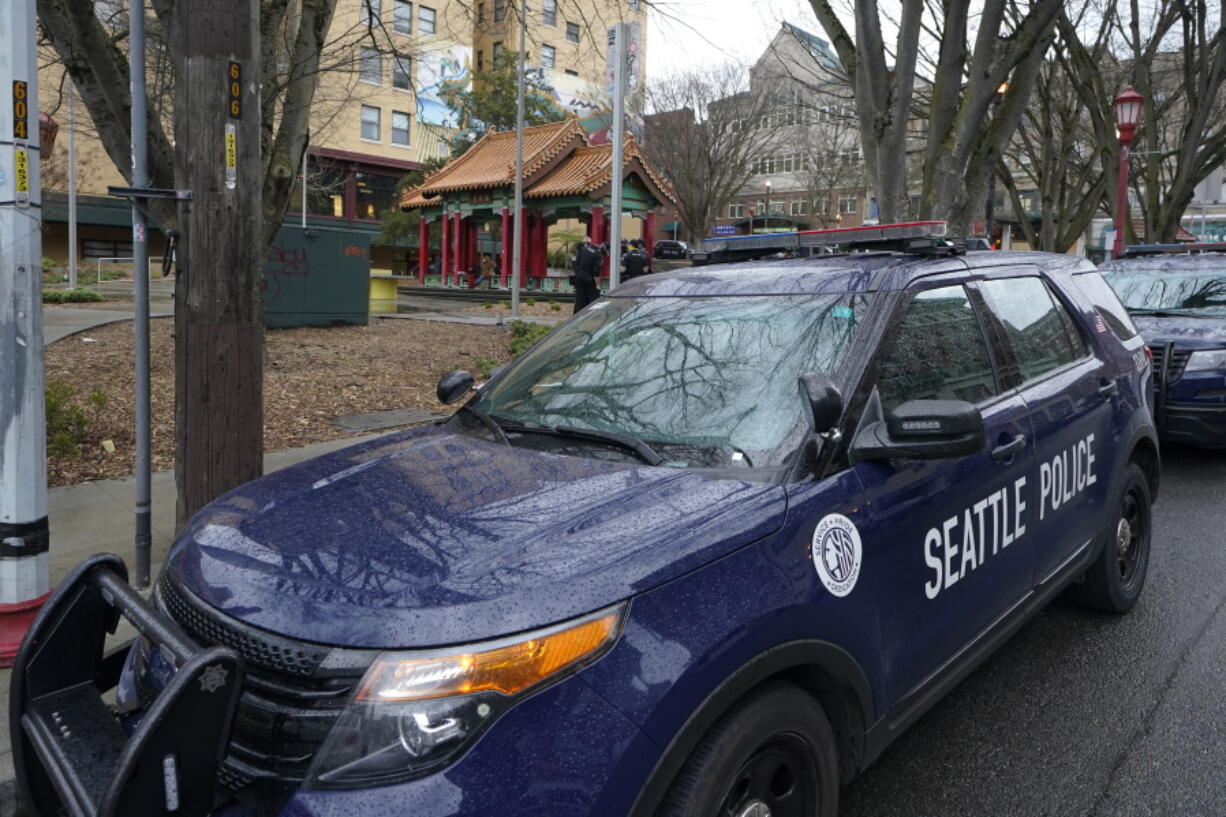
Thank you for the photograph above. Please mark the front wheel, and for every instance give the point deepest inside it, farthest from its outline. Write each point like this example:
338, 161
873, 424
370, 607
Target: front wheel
1115, 580
771, 755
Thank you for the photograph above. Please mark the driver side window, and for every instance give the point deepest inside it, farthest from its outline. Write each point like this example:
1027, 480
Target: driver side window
939, 352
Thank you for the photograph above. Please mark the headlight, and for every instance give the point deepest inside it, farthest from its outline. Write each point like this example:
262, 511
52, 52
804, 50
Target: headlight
1206, 360
414, 711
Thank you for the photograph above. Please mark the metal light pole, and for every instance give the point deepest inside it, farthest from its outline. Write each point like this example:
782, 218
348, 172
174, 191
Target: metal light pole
518, 234
989, 211
619, 135
24, 563
1127, 115
72, 186
766, 224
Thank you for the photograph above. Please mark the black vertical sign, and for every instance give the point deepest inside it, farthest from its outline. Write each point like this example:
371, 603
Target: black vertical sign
235, 81
21, 110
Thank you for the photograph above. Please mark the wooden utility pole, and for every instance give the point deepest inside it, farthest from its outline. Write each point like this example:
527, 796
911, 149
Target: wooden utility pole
219, 330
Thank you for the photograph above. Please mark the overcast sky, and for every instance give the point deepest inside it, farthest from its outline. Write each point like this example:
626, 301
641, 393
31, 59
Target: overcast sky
684, 33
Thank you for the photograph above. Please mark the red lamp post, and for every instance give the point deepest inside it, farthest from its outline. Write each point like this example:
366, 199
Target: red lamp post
1127, 115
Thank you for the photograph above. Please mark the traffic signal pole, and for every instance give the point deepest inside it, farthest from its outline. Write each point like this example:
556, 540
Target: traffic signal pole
24, 573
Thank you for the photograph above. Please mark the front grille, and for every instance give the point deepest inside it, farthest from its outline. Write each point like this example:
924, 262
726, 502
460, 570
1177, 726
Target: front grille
1179, 359
289, 702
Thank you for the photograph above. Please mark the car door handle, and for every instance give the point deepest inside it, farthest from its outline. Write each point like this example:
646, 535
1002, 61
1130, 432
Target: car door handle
1006, 451
1109, 389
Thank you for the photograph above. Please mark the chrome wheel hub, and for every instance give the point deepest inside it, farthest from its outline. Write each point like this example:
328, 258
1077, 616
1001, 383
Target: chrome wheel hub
1123, 536
755, 808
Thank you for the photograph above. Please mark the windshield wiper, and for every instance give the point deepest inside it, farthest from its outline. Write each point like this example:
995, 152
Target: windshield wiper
634, 444
645, 451
488, 421
1165, 313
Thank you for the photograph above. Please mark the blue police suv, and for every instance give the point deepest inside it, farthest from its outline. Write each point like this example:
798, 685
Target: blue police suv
1176, 296
706, 549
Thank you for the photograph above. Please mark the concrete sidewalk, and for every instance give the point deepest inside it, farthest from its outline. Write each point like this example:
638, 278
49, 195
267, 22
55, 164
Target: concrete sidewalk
97, 517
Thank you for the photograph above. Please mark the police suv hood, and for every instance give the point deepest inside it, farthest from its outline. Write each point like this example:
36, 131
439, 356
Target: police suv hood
427, 538
1208, 332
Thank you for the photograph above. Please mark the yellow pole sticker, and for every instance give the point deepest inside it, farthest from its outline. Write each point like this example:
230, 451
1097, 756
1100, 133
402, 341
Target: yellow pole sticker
231, 156
22, 177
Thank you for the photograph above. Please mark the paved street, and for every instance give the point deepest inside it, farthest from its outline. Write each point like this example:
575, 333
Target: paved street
1086, 714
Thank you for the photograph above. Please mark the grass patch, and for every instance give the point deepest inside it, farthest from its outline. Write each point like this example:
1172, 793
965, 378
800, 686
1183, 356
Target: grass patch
524, 335
70, 296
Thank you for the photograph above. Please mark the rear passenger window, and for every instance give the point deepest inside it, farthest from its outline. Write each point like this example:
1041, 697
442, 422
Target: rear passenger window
1107, 303
938, 354
1038, 328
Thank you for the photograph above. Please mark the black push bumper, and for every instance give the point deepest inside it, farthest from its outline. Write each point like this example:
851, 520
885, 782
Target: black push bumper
70, 751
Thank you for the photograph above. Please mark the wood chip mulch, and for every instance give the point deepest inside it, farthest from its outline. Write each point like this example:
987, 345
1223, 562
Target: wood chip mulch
311, 376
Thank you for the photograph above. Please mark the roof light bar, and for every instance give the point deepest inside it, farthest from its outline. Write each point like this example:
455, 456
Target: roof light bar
873, 233
1135, 250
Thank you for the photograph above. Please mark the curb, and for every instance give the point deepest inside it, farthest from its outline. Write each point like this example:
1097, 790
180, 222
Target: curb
8, 798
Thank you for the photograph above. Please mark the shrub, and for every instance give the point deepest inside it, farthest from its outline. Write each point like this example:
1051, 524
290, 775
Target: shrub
524, 334
66, 421
529, 301
486, 364
488, 304
74, 296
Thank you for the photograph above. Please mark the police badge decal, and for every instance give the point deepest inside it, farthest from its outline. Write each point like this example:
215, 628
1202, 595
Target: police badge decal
836, 553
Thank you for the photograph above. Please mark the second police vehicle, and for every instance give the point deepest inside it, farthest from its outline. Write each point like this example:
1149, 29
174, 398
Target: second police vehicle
707, 548
1176, 295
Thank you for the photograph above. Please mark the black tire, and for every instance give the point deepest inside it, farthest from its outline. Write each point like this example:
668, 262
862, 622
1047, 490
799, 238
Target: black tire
1115, 580
774, 747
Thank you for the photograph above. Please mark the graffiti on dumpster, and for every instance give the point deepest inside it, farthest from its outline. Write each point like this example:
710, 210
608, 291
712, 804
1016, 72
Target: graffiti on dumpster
283, 262
354, 251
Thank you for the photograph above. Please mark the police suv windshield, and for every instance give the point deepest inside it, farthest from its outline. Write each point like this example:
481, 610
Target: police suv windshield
1190, 292
704, 381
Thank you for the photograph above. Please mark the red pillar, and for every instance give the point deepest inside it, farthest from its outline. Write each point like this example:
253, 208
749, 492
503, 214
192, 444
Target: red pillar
614, 252
444, 267
423, 248
523, 247
540, 250
595, 227
457, 228
649, 233
505, 275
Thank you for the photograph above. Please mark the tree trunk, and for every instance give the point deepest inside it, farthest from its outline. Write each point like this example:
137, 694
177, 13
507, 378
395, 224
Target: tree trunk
219, 333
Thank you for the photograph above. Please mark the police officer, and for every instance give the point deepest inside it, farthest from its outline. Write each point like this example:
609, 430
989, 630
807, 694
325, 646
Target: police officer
587, 270
636, 262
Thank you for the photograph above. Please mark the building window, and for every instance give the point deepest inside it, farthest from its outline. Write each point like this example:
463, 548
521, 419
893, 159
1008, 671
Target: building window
106, 249
400, 128
480, 60
500, 10
481, 14
371, 10
375, 194
848, 204
497, 52
404, 17
370, 66
736, 211
798, 207
572, 32
636, 5
425, 20
549, 12
570, 72
549, 56
370, 123
400, 72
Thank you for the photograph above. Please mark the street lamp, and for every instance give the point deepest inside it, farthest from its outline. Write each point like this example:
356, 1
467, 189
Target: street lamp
766, 224
1127, 115
989, 215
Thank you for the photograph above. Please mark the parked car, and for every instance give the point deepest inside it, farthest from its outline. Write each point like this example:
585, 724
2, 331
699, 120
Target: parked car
668, 248
706, 548
1176, 297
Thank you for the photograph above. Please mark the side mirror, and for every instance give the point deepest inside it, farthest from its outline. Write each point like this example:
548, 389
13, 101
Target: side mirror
825, 401
453, 386
922, 430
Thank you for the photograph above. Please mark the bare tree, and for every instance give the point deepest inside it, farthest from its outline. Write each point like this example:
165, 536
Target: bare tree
707, 135
965, 133
1056, 159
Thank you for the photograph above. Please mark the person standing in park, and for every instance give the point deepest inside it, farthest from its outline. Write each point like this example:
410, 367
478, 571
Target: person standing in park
587, 270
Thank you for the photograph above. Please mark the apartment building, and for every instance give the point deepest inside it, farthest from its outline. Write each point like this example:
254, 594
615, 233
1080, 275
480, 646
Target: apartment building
378, 111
